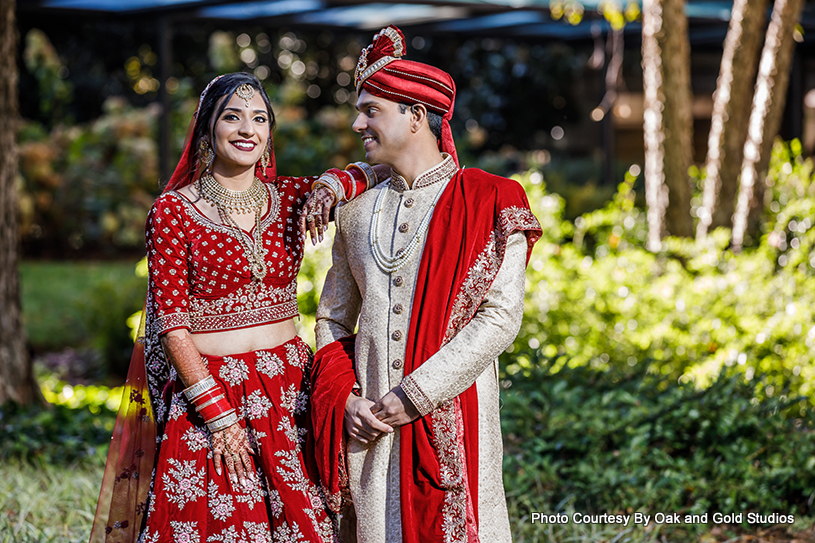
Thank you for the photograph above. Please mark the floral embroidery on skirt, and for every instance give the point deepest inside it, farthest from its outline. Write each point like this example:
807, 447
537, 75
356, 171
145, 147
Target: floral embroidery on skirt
191, 503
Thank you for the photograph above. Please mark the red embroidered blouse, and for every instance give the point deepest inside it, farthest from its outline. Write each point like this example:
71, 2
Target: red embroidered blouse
199, 275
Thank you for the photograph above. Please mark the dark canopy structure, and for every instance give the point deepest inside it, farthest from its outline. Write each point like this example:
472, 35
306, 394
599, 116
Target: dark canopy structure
523, 20
510, 18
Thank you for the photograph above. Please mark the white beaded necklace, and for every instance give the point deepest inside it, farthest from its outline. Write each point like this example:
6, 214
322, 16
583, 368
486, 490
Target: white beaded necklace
390, 264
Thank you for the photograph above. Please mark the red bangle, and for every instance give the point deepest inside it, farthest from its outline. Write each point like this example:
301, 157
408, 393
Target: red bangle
208, 395
359, 182
215, 409
368, 178
206, 404
346, 178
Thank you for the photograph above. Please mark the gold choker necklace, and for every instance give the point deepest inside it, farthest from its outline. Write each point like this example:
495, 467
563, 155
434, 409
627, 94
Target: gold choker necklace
233, 201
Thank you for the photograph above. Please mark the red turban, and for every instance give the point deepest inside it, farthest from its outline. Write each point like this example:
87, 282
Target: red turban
383, 72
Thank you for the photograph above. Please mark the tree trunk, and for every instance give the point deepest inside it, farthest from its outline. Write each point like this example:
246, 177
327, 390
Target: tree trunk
668, 124
765, 118
731, 111
16, 379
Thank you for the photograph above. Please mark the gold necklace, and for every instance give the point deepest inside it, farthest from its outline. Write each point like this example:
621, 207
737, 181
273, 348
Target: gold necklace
230, 201
234, 201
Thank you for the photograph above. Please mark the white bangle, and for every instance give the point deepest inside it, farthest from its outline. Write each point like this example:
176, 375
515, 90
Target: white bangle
332, 183
210, 402
196, 389
228, 419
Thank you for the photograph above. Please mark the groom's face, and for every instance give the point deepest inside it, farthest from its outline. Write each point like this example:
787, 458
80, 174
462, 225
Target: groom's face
384, 129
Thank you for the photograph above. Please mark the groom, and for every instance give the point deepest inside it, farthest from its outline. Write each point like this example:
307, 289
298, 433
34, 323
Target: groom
431, 266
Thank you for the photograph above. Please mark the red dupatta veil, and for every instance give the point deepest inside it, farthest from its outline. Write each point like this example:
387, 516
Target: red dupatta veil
123, 498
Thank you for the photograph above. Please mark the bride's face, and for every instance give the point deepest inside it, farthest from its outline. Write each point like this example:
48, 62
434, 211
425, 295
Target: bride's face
241, 132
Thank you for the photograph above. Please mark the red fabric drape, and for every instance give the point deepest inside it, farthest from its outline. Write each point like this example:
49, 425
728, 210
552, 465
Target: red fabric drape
466, 221
463, 251
126, 482
336, 376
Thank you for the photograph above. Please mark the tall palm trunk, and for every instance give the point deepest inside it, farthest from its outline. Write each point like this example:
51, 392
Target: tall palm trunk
668, 124
765, 119
731, 111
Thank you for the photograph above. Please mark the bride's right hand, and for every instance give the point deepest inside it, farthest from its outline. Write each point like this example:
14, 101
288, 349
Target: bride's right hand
230, 446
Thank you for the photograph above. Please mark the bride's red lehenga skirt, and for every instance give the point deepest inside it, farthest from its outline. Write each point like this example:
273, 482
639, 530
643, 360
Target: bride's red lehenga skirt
191, 503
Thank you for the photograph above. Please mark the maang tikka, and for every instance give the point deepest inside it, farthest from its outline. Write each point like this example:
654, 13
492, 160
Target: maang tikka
245, 92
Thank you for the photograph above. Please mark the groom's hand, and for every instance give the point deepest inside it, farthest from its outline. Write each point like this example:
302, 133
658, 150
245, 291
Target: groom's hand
360, 423
395, 408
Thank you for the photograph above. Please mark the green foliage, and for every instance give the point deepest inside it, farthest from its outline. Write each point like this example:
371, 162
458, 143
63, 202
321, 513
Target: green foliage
671, 381
55, 434
43, 62
595, 296
82, 305
94, 397
89, 186
316, 262
620, 441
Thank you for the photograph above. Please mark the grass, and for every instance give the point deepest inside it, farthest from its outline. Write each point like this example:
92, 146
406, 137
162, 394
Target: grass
47, 504
81, 305
58, 296
56, 504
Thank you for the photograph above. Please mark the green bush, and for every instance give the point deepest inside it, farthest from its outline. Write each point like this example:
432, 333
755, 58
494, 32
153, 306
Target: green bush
597, 298
679, 380
83, 306
56, 434
619, 441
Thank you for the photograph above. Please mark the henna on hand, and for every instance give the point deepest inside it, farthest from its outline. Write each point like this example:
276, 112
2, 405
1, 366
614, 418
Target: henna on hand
315, 213
231, 447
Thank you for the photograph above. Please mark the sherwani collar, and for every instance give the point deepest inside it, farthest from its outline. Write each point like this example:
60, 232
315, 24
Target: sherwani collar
442, 171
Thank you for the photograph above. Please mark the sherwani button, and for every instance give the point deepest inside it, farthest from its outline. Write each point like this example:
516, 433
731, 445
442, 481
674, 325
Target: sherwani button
397, 364
398, 281
404, 227
397, 335
409, 202
399, 252
397, 309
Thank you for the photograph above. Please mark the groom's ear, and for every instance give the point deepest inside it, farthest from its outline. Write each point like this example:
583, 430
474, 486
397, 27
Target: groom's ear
418, 113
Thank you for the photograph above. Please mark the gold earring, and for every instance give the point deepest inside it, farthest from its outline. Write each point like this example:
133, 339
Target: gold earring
266, 158
206, 154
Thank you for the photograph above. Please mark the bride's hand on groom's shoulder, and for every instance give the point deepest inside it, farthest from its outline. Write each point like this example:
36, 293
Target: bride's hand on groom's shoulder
315, 214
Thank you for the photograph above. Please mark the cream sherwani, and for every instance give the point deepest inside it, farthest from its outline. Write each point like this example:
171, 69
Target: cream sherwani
356, 289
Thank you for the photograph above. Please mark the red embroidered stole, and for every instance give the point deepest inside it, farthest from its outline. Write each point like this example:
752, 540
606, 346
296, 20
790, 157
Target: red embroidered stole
464, 249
